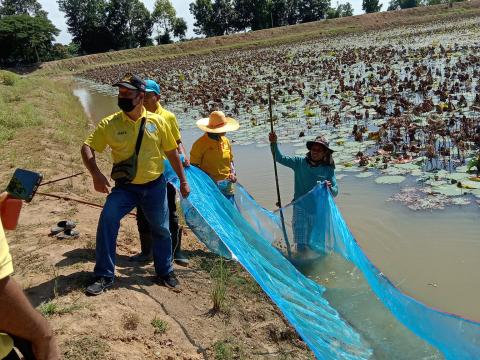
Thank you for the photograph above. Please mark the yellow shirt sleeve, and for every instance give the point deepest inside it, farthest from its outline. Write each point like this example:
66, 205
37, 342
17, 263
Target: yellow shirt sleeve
174, 127
196, 153
6, 267
6, 345
167, 141
98, 139
231, 152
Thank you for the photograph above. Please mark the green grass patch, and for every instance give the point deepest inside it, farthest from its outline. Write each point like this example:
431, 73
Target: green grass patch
160, 326
228, 350
8, 78
85, 348
51, 308
39, 102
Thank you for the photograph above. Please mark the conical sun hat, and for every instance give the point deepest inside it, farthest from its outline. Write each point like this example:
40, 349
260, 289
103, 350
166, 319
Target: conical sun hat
217, 123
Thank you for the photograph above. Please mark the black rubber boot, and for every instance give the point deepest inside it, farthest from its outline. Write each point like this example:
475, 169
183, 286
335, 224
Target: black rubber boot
179, 256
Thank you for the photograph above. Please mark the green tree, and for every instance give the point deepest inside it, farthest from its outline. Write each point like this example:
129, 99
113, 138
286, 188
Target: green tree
371, 6
342, 10
212, 19
393, 5
131, 23
163, 17
252, 14
180, 28
407, 4
86, 23
202, 11
313, 10
278, 12
26, 38
345, 9
19, 7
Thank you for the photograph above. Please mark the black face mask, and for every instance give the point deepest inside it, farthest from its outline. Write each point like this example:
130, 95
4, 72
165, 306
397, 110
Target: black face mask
126, 104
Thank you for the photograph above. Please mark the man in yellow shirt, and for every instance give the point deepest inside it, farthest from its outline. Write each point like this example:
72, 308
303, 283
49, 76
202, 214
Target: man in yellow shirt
17, 316
212, 152
128, 132
152, 104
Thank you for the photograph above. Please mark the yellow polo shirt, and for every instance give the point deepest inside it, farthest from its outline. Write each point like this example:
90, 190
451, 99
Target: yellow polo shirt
120, 133
213, 157
6, 268
171, 120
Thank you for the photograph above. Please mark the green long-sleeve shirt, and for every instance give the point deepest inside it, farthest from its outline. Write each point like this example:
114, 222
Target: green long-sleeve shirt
306, 176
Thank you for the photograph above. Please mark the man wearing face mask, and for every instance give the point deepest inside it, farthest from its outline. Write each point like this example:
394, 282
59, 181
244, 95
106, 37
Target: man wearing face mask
138, 139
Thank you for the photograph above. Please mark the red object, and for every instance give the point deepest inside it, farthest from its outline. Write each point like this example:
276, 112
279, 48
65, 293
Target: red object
10, 212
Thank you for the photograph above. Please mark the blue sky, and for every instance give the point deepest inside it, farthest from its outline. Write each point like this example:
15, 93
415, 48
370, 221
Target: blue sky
181, 6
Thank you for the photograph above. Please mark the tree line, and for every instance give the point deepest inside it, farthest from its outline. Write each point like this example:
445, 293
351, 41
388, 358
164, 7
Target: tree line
219, 17
103, 25
26, 33
28, 36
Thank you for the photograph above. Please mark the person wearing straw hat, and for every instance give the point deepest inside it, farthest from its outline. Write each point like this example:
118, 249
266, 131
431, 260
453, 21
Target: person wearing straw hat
152, 104
316, 166
212, 152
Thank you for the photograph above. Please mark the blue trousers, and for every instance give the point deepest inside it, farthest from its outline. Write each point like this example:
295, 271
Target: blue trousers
152, 199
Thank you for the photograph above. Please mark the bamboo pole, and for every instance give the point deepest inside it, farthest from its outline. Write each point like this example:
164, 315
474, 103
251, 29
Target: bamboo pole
279, 201
61, 197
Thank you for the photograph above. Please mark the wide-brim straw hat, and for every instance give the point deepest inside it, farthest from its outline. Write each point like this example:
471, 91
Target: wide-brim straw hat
218, 123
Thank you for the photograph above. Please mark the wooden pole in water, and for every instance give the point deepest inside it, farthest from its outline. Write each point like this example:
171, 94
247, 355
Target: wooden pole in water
279, 200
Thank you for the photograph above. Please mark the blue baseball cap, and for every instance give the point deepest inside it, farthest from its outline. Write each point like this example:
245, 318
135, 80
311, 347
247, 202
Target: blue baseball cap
152, 86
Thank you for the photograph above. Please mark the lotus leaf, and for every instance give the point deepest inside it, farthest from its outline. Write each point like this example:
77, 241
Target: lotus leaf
365, 174
390, 179
447, 190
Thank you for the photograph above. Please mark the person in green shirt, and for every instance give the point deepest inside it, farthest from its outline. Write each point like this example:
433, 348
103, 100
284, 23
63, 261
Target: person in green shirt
316, 166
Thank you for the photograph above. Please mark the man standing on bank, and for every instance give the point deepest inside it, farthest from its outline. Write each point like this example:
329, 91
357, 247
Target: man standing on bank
152, 104
138, 139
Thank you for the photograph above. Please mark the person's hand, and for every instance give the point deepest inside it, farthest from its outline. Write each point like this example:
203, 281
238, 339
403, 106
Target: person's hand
3, 196
100, 183
186, 162
184, 189
232, 178
46, 348
329, 184
272, 137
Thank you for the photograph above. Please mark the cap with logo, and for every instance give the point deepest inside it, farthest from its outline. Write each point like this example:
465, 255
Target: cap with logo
132, 82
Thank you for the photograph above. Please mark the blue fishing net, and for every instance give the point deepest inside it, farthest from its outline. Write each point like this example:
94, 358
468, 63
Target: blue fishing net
342, 318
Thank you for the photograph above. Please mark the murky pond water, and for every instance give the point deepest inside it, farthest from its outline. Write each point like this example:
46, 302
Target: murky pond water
432, 256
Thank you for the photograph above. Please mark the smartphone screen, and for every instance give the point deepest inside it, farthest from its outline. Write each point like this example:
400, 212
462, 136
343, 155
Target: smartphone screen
24, 184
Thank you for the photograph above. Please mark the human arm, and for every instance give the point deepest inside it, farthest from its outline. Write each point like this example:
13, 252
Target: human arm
181, 150
288, 161
19, 318
174, 159
100, 182
332, 184
233, 175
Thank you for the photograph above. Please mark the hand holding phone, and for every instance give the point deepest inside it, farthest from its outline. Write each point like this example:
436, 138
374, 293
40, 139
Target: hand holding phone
9, 211
24, 184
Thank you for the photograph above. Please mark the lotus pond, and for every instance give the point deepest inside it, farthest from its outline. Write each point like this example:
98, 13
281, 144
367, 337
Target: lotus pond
404, 118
